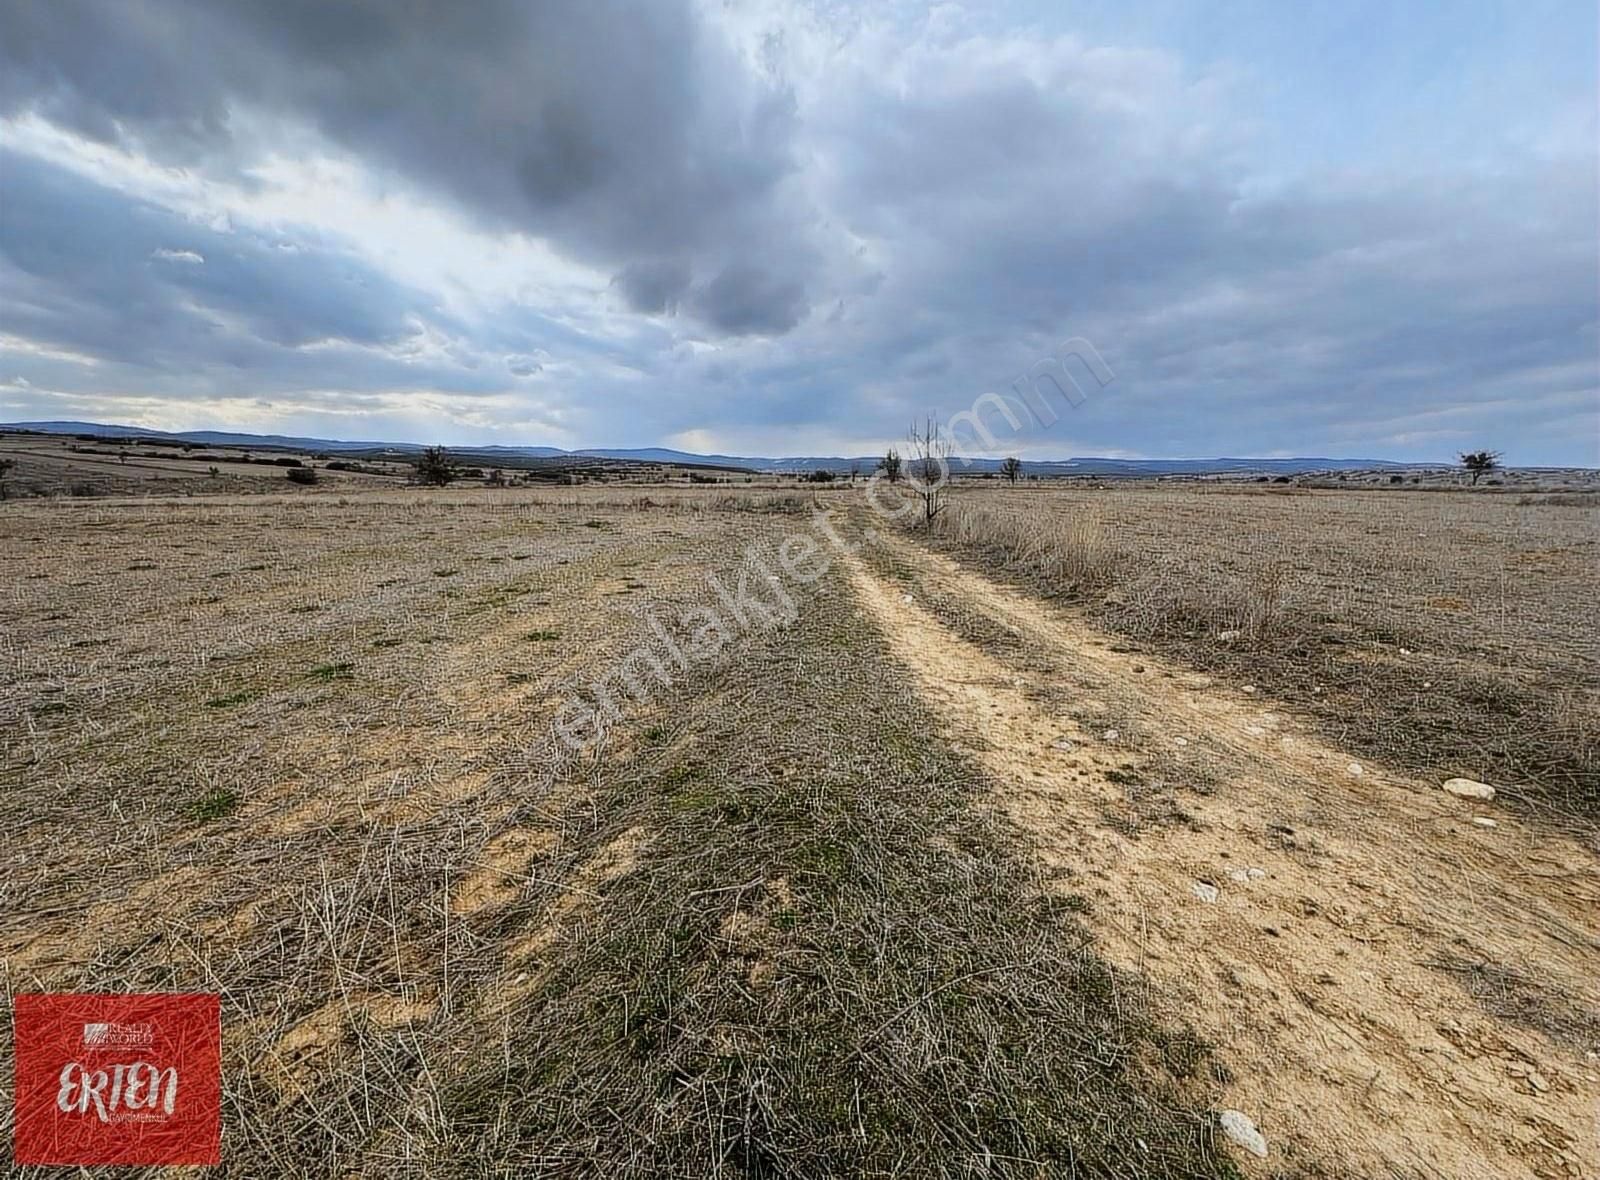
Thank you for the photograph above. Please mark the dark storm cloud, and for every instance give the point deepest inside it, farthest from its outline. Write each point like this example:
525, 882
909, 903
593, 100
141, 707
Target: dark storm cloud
621, 131
912, 222
654, 286
746, 299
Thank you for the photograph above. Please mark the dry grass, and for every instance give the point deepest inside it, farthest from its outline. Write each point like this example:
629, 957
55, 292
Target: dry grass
767, 930
1450, 634
1068, 552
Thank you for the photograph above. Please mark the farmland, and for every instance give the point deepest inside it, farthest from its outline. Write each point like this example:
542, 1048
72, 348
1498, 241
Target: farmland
1022, 845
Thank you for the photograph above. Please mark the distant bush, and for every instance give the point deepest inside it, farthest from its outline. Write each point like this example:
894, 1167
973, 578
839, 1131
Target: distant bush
822, 476
302, 475
286, 462
434, 467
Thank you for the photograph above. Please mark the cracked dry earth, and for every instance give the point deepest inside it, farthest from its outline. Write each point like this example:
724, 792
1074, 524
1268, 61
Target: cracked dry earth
1293, 904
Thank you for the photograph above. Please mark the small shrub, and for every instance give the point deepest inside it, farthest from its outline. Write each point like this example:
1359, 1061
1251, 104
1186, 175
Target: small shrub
214, 804
302, 475
330, 672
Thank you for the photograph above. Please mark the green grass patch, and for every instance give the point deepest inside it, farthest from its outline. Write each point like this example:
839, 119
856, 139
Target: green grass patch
329, 672
213, 805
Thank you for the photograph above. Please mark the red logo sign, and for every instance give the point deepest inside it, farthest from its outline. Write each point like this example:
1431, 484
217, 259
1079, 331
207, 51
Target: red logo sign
118, 1079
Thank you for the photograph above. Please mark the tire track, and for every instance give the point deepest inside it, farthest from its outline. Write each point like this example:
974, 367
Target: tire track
1332, 892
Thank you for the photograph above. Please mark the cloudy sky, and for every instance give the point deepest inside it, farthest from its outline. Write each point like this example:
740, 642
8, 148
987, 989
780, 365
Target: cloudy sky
1355, 228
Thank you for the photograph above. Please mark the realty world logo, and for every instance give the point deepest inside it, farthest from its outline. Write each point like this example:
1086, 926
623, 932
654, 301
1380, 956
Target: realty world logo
113, 1079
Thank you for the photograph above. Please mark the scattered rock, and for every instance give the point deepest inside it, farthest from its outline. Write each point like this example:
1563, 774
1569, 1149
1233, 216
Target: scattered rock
1228, 636
1061, 744
1236, 1125
1468, 788
1137, 668
1355, 769
1249, 688
1530, 1074
1206, 891
1483, 821
1180, 741
1254, 730
907, 598
1247, 874
1111, 735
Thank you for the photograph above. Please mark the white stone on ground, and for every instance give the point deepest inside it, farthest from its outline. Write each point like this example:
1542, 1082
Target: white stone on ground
1483, 821
1236, 1125
1468, 788
1206, 891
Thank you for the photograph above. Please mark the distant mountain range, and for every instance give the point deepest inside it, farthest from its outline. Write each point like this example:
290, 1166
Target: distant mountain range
1086, 466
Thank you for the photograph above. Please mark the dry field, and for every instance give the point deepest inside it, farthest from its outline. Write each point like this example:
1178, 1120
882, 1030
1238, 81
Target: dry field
65, 465
1021, 849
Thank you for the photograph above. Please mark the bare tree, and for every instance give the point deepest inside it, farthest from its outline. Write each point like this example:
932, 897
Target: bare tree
890, 465
1480, 463
1011, 468
930, 467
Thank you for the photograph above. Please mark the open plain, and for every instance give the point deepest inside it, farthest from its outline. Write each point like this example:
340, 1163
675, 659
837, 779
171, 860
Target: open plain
1028, 844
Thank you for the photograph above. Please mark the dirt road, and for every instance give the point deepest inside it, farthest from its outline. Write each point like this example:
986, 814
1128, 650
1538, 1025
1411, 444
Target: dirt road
1396, 987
